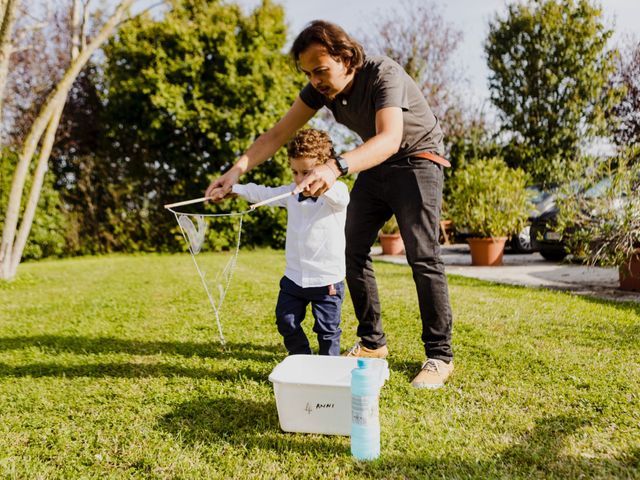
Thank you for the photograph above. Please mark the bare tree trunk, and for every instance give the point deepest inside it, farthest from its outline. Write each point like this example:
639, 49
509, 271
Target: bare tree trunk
9, 255
8, 16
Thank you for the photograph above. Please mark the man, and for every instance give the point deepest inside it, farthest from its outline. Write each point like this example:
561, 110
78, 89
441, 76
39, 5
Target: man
379, 101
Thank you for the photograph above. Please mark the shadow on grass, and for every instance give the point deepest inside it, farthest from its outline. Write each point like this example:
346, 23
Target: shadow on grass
541, 453
133, 370
243, 423
103, 345
263, 358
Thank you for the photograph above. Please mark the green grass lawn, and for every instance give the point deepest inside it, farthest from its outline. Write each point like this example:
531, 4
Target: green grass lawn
111, 368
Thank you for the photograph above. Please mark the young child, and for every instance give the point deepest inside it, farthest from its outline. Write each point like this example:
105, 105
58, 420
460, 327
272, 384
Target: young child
314, 250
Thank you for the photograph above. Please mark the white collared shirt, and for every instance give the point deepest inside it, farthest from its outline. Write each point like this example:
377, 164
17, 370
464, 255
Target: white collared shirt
315, 242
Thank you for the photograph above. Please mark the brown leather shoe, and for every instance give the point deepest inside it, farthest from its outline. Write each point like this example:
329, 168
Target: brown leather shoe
359, 350
434, 374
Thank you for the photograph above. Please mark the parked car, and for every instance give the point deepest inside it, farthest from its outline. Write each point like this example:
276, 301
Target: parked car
521, 242
544, 237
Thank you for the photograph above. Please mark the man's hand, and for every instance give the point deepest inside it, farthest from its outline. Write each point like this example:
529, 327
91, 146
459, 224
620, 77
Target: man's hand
318, 180
221, 187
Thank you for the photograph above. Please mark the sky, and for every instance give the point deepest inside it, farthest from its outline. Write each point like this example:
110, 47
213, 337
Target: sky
469, 16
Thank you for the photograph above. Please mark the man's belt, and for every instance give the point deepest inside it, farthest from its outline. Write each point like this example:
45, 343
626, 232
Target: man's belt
434, 158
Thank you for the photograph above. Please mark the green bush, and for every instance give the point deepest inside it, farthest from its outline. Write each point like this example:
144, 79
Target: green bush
489, 199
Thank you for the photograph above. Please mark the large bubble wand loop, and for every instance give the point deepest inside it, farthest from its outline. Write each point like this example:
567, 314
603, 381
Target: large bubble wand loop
196, 236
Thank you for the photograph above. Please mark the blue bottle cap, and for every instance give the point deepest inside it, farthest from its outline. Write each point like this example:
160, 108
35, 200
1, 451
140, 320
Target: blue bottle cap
363, 363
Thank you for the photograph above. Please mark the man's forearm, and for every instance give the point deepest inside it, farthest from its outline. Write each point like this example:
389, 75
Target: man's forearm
371, 153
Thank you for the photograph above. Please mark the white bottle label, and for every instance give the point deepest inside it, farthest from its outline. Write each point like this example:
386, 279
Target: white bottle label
364, 410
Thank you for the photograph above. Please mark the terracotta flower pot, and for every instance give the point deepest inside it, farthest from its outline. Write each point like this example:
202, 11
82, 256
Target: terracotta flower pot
630, 274
487, 252
391, 243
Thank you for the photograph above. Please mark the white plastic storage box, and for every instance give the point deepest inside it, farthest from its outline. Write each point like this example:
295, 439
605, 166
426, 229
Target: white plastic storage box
313, 392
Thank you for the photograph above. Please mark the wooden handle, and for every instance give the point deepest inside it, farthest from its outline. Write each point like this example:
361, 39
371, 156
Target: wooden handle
269, 200
251, 207
187, 202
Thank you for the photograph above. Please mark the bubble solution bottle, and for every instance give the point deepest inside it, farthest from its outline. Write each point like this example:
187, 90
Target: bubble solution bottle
365, 421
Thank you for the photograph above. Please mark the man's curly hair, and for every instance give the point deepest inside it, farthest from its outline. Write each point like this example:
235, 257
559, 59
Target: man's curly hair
311, 143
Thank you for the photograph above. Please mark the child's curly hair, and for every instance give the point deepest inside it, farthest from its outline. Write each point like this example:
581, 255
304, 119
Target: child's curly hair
311, 143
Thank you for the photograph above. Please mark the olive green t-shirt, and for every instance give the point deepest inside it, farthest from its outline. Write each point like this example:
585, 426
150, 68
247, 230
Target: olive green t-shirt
383, 83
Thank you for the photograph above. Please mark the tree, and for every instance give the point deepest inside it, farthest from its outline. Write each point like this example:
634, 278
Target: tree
184, 97
627, 131
44, 128
549, 79
39, 54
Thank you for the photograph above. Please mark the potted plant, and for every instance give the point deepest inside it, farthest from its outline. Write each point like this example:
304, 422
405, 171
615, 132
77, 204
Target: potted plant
390, 239
489, 201
603, 227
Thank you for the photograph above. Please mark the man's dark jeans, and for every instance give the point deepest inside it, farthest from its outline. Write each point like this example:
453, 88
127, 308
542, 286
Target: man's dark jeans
411, 189
326, 307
